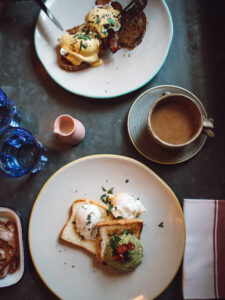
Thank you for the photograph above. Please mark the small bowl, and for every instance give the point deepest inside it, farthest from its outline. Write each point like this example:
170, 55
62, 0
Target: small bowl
9, 214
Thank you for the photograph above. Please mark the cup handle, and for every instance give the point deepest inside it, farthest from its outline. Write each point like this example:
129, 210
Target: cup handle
208, 125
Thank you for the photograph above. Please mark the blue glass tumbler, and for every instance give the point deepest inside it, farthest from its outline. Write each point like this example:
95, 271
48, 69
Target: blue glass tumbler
9, 114
20, 152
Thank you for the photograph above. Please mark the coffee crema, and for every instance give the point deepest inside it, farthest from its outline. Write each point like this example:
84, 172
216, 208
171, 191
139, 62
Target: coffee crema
174, 123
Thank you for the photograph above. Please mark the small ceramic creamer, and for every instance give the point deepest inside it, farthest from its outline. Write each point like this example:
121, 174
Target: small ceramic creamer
69, 130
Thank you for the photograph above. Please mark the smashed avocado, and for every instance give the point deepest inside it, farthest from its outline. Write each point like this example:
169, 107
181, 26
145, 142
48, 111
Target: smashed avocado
123, 252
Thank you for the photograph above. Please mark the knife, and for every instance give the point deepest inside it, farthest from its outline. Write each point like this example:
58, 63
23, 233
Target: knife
49, 14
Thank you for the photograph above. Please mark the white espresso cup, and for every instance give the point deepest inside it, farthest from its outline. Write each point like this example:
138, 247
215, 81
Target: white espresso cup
175, 121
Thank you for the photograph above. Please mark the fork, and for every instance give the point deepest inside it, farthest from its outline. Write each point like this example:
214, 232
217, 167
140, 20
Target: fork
133, 8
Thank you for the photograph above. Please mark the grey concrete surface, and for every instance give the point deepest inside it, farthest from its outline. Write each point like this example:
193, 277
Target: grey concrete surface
196, 61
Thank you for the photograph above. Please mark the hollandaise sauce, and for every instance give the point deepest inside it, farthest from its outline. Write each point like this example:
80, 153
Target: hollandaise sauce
82, 46
101, 19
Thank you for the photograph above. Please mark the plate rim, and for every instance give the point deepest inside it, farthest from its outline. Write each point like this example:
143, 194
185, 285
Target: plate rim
74, 162
48, 2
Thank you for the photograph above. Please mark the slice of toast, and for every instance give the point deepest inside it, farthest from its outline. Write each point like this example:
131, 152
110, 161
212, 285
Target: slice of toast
109, 228
68, 66
69, 233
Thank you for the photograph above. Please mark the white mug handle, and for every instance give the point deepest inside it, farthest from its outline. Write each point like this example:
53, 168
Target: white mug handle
208, 125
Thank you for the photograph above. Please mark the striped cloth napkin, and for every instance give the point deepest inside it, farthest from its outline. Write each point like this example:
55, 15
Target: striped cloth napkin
204, 257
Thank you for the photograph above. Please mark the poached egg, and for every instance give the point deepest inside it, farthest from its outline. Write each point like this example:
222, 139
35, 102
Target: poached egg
101, 19
81, 46
126, 206
86, 218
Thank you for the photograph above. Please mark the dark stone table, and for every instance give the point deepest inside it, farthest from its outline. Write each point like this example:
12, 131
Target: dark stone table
196, 61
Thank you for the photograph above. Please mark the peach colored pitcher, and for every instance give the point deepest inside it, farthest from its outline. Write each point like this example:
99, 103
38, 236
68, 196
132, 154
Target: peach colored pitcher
69, 130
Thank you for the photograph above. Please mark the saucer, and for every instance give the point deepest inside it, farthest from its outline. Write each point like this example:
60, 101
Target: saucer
141, 139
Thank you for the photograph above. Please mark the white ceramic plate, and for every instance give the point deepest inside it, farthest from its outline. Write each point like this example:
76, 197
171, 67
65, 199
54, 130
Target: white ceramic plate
70, 272
121, 73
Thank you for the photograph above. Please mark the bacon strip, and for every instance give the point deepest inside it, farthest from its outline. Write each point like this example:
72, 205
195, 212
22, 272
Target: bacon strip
8, 248
116, 5
113, 41
102, 2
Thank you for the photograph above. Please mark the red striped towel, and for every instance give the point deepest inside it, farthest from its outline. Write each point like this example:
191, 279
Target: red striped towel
204, 257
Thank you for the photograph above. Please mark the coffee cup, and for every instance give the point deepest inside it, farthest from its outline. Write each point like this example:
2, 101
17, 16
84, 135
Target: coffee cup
175, 121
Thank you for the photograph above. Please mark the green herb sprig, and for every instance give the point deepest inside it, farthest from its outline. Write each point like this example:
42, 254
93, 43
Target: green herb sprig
83, 36
84, 45
98, 20
161, 225
109, 209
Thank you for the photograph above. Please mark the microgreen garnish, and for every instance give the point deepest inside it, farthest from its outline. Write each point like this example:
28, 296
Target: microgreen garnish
105, 199
104, 31
161, 225
119, 217
114, 241
83, 45
89, 219
110, 191
125, 232
97, 19
111, 21
106, 26
83, 36
109, 209
88, 30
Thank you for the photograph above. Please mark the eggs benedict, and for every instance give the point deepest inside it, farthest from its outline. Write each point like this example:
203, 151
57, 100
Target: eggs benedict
103, 19
83, 45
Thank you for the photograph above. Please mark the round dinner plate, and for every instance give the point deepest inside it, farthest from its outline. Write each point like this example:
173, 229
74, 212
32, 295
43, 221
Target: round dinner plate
122, 72
71, 272
141, 139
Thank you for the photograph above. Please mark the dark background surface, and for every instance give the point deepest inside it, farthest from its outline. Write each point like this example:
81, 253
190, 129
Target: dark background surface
196, 61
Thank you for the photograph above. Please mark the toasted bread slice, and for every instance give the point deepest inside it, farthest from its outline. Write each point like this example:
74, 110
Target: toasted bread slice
69, 233
133, 30
66, 65
109, 228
